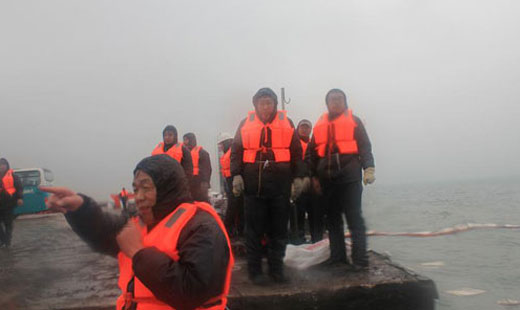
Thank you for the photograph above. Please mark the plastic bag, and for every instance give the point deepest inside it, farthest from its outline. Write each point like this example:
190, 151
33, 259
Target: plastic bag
305, 255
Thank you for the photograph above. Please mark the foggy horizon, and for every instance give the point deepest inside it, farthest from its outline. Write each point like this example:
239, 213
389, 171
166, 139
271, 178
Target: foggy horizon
86, 88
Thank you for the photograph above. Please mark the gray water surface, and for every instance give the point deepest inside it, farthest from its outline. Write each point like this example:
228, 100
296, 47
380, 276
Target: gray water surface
487, 259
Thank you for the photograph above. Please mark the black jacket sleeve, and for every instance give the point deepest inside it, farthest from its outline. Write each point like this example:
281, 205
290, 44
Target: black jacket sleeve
297, 165
18, 186
187, 162
237, 152
311, 157
204, 166
200, 272
364, 146
97, 228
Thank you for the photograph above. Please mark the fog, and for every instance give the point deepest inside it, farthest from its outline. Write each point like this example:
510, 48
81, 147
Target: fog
86, 87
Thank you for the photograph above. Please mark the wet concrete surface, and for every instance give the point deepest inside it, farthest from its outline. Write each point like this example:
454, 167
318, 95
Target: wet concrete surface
49, 267
384, 286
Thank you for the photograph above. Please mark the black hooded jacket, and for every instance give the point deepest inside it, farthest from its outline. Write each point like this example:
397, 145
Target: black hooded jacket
204, 255
274, 179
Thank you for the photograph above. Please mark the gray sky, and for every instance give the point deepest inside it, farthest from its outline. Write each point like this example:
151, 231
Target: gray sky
86, 87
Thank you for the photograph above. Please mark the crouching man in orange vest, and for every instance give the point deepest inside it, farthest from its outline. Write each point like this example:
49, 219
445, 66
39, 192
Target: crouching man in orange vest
174, 255
266, 156
337, 154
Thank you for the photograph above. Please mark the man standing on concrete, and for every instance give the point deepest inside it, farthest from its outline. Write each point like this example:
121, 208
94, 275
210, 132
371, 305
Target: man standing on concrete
337, 154
307, 202
266, 155
11, 194
201, 168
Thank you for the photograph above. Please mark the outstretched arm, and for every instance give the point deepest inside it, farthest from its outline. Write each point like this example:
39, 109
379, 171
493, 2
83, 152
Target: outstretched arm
97, 228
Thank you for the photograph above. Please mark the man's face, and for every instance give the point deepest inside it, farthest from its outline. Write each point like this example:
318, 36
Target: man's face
265, 108
3, 168
168, 137
304, 130
221, 147
336, 104
145, 196
188, 143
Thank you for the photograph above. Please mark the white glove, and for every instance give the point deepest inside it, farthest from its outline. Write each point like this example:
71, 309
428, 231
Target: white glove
297, 188
238, 185
369, 176
306, 184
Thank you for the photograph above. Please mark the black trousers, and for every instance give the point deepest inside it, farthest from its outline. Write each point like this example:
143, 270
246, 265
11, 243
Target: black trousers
345, 198
124, 200
234, 218
266, 217
6, 224
196, 192
308, 204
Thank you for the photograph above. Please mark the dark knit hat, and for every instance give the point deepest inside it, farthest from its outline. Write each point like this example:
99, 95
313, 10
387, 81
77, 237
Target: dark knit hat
335, 90
265, 92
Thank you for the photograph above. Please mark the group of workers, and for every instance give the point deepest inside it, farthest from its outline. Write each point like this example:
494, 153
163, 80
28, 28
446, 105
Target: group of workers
176, 254
272, 164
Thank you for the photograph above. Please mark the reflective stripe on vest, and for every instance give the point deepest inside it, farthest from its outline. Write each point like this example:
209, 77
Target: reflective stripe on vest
195, 155
164, 237
281, 136
174, 152
304, 147
225, 164
339, 132
8, 182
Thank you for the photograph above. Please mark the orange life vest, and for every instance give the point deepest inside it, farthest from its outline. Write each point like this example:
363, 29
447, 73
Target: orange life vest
164, 237
339, 132
304, 147
174, 152
281, 136
225, 164
8, 182
195, 155
124, 193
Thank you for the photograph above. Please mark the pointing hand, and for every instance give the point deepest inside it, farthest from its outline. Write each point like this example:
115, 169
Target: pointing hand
62, 199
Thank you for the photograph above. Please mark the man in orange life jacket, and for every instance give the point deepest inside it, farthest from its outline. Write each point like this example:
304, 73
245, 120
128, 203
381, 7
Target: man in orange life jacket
234, 218
201, 168
337, 154
266, 156
174, 255
11, 194
175, 150
307, 202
